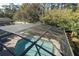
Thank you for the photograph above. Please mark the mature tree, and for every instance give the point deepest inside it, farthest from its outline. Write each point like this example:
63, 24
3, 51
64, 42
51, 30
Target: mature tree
1, 13
64, 18
72, 6
10, 9
29, 12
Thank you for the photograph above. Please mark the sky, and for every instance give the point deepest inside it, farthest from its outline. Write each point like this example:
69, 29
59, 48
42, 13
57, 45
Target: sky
4, 2
39, 1
7, 4
11, 1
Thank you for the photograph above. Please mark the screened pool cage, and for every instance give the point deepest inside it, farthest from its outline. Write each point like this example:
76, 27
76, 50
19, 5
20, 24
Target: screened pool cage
34, 40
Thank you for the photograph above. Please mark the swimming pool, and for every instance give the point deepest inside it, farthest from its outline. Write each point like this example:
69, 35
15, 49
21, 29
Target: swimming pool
23, 44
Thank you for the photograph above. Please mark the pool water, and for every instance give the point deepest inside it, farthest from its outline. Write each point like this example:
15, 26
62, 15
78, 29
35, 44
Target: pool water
21, 45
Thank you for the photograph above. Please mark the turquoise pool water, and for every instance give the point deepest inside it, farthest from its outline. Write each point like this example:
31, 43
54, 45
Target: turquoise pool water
23, 44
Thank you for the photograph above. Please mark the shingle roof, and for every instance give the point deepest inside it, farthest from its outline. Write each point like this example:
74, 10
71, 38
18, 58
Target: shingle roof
19, 27
5, 19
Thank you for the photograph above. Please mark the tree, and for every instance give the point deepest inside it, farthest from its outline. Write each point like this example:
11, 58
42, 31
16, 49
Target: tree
72, 6
29, 12
10, 9
64, 18
1, 13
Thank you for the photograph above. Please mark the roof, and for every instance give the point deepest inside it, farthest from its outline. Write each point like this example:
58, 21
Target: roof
5, 19
16, 28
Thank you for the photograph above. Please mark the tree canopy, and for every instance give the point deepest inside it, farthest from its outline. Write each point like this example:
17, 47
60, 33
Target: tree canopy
28, 12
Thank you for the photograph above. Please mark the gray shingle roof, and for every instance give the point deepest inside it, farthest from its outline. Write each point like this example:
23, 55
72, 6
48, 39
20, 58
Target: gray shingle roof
5, 19
16, 28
